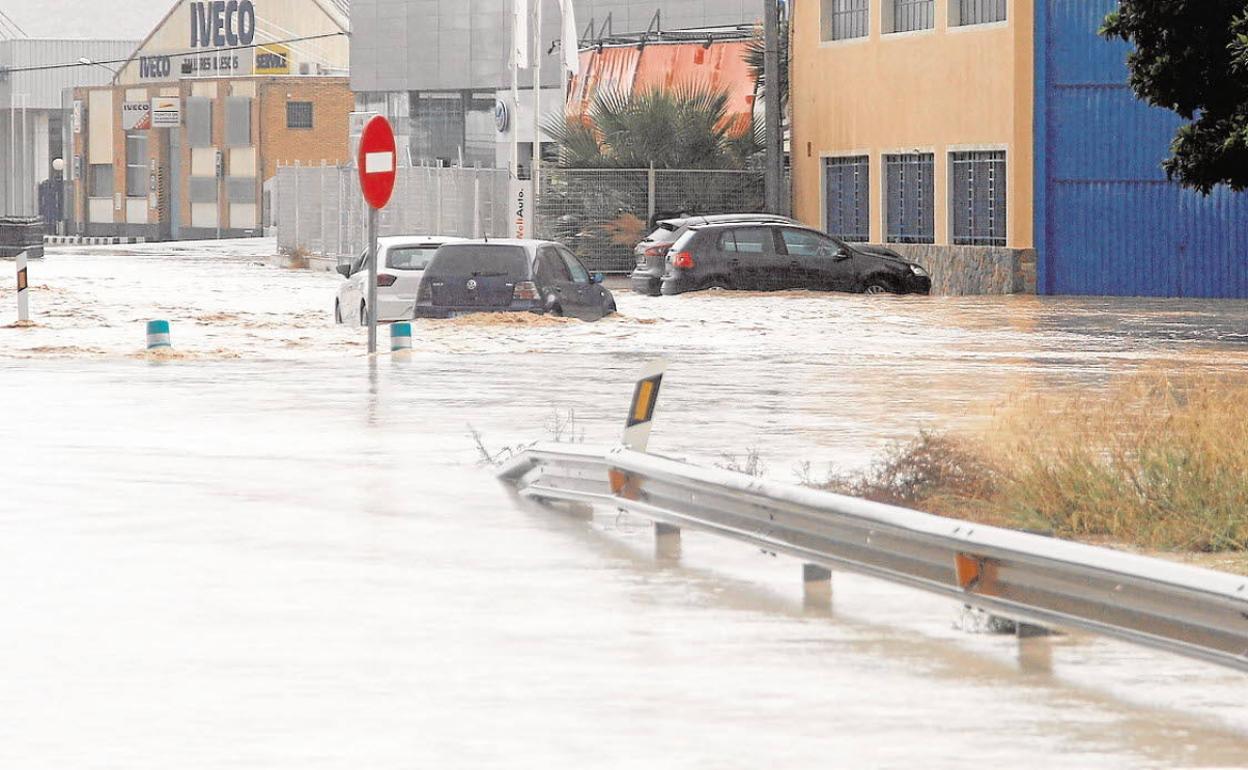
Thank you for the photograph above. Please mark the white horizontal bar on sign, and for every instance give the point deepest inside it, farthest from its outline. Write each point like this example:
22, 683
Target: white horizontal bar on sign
378, 162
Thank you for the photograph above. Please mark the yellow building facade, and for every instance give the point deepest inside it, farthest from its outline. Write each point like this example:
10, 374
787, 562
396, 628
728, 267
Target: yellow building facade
913, 120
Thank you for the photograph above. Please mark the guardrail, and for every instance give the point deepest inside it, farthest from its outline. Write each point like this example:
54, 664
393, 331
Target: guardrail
1028, 578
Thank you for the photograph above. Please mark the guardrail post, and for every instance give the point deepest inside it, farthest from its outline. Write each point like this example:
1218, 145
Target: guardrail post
816, 586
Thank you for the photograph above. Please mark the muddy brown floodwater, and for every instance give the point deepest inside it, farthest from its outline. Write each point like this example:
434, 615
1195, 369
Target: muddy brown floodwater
264, 550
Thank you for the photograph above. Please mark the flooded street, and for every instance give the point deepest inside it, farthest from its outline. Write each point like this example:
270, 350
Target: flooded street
264, 550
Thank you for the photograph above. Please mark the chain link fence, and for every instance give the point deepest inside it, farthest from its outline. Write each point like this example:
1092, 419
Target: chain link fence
602, 214
318, 210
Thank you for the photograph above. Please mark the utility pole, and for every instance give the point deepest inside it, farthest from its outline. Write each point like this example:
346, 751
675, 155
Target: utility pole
774, 176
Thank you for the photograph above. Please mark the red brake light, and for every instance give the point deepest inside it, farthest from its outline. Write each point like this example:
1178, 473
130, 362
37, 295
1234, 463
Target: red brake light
683, 261
386, 280
525, 290
658, 250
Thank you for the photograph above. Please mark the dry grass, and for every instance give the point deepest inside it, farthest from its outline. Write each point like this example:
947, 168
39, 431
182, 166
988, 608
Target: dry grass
1159, 464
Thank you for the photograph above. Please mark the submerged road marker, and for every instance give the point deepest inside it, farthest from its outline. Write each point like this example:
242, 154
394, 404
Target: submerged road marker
400, 337
158, 335
23, 290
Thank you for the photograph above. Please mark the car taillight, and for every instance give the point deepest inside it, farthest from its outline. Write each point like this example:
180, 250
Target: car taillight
658, 250
526, 290
384, 280
683, 260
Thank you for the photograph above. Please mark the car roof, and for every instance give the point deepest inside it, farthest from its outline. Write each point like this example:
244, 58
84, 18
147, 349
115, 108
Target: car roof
737, 223
416, 240
710, 219
529, 244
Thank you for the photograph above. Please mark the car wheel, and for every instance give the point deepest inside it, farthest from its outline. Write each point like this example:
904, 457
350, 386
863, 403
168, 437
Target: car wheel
363, 314
556, 311
878, 286
337, 312
721, 282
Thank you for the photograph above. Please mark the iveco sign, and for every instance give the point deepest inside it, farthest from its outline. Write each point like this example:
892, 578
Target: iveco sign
219, 24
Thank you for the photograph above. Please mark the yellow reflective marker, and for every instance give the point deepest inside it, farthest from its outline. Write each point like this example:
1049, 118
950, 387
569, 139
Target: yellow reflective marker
641, 412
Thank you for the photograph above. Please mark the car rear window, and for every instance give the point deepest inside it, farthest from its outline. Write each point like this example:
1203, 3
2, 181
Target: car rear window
475, 259
685, 239
661, 235
410, 257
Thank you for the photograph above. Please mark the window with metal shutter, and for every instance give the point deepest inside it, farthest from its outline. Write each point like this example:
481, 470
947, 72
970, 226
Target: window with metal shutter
910, 196
847, 185
978, 205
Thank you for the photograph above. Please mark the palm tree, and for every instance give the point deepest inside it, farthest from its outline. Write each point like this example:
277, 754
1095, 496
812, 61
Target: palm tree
685, 127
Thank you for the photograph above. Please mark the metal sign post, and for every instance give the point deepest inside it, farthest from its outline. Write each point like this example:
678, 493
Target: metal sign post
378, 167
23, 290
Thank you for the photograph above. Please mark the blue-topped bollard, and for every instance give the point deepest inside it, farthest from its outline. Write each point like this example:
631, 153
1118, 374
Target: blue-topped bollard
158, 335
400, 337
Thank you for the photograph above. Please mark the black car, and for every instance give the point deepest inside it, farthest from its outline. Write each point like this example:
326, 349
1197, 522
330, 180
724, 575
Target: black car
510, 276
778, 256
651, 253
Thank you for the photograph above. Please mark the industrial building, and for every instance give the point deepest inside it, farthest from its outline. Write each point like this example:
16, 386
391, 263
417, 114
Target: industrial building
998, 141
33, 78
201, 113
440, 69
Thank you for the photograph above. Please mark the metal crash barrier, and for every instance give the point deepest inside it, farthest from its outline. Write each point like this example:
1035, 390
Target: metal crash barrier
1027, 578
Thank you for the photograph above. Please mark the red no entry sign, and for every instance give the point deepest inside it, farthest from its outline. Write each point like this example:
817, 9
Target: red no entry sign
377, 162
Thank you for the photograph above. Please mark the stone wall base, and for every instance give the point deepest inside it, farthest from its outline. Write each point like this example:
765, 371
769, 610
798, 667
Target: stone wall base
959, 271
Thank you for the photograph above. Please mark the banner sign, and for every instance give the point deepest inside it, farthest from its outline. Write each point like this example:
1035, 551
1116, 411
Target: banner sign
166, 112
136, 116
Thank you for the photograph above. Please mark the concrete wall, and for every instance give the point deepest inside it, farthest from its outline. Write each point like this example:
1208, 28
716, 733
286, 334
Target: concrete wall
974, 270
939, 90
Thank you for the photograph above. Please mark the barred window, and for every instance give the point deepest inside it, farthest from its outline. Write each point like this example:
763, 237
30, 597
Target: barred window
977, 11
847, 185
978, 204
845, 19
136, 164
299, 114
910, 194
912, 15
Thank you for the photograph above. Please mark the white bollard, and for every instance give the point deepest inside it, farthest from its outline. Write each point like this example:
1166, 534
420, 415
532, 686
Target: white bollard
400, 337
158, 335
23, 290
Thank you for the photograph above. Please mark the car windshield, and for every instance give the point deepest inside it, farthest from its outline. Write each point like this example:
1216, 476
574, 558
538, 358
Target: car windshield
410, 257
478, 260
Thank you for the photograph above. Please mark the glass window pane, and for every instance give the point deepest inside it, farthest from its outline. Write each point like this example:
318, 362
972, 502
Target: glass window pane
752, 240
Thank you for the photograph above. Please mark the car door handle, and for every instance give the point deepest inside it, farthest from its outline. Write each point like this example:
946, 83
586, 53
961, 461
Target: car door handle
795, 263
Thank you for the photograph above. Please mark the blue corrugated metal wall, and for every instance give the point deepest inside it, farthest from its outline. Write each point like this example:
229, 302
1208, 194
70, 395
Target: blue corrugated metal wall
1107, 221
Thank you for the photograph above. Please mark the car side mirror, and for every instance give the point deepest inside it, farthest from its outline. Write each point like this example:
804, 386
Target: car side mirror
598, 278
344, 271
841, 254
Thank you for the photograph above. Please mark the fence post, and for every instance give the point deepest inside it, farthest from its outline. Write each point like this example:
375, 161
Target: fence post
652, 206
476, 203
298, 243
437, 197
324, 211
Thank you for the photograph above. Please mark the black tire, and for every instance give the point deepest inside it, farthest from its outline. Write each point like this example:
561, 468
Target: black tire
720, 282
556, 311
878, 284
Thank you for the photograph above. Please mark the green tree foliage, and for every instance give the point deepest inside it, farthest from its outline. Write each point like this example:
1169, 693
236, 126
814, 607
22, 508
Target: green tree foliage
755, 58
685, 127
1191, 56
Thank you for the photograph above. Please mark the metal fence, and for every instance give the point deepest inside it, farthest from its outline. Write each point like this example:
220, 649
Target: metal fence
913, 15
601, 214
981, 11
318, 209
846, 19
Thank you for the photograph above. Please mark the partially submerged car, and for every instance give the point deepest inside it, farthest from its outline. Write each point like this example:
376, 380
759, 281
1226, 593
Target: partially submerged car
402, 262
651, 253
526, 276
766, 257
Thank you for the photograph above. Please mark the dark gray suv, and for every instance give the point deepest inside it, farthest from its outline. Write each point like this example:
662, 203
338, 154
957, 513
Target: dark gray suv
765, 257
651, 253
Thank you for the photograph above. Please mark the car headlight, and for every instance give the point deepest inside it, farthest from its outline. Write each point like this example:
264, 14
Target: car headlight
920, 272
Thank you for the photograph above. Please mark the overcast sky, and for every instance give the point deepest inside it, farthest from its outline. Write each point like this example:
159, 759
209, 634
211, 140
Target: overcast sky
117, 20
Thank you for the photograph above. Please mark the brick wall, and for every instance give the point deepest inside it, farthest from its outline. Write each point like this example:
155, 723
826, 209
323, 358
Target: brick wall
327, 140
